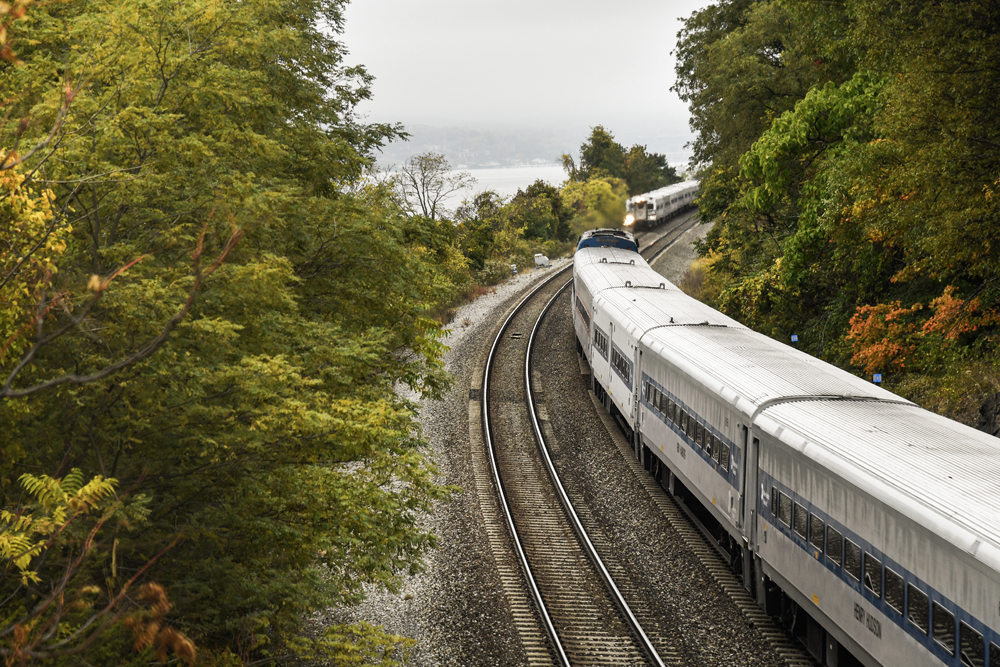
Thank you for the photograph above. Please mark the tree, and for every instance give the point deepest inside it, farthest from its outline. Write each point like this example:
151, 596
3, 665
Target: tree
265, 435
846, 155
645, 172
485, 228
539, 210
597, 202
601, 155
426, 182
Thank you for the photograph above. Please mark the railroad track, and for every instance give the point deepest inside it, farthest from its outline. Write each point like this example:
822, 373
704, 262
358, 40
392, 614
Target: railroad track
585, 618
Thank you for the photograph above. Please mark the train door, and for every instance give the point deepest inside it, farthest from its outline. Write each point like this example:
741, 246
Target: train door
748, 513
637, 388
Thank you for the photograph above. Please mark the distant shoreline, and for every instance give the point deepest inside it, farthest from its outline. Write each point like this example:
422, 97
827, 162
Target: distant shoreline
525, 165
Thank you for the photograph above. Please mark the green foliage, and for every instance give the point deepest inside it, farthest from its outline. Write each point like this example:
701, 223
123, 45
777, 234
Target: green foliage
31, 242
597, 202
25, 533
494, 232
844, 196
541, 213
265, 437
603, 157
494, 272
360, 644
486, 229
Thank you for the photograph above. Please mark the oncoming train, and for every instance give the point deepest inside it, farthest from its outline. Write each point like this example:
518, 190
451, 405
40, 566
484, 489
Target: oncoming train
869, 526
652, 208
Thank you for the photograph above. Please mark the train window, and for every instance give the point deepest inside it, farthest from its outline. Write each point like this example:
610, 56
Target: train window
692, 427
724, 457
784, 509
662, 403
709, 443
873, 575
584, 315
994, 655
682, 420
774, 501
971, 647
621, 365
800, 519
834, 545
852, 559
916, 607
943, 627
649, 393
716, 448
671, 410
699, 435
601, 342
816, 532
894, 590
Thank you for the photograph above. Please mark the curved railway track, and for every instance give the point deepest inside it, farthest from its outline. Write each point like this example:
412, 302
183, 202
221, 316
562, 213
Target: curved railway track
576, 597
587, 619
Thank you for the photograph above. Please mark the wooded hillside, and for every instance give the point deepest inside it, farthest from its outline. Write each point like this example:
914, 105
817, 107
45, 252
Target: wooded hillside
210, 299
850, 158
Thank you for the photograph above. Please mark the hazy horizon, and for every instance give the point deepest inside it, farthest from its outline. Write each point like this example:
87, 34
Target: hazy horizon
550, 67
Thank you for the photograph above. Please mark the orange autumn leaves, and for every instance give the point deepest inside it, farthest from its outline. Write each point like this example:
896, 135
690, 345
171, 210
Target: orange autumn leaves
888, 336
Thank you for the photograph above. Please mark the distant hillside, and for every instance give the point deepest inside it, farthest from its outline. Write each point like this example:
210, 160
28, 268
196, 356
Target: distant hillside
467, 148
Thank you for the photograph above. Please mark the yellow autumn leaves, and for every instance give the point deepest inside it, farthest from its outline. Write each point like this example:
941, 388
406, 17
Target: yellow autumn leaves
32, 240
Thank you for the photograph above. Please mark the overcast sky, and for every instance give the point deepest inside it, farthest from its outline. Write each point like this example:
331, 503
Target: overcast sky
559, 64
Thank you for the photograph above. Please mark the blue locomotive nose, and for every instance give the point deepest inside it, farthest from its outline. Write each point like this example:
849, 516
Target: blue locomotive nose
607, 238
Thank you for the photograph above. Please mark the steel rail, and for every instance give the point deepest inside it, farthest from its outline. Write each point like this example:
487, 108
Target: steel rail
578, 527
581, 532
670, 244
487, 433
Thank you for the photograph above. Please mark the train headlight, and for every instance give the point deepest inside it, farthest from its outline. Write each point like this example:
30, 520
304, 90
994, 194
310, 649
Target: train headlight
629, 219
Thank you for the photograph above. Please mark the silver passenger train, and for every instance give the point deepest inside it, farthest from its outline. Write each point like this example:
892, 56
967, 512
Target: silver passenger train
870, 526
652, 208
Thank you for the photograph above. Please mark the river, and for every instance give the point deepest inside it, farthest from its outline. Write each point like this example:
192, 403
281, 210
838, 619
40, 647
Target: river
508, 180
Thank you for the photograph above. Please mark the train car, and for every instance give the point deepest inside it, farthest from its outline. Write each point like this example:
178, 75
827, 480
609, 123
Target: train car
622, 316
883, 522
618, 267
868, 525
652, 208
706, 385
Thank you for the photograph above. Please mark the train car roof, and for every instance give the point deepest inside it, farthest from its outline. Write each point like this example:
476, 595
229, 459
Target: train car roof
601, 277
640, 309
939, 472
607, 255
752, 369
607, 231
